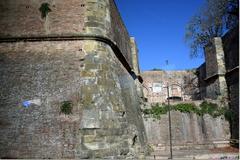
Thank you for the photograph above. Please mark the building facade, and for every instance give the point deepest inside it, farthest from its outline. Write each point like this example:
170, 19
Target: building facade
183, 86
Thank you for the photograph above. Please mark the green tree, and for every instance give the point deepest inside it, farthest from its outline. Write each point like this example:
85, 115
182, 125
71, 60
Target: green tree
212, 20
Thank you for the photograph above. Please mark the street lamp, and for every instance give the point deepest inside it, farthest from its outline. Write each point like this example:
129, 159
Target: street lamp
169, 121
169, 117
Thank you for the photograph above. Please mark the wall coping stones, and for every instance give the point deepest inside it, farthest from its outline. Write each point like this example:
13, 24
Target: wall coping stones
103, 39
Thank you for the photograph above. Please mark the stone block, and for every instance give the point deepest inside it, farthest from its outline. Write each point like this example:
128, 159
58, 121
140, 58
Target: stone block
90, 119
89, 138
87, 74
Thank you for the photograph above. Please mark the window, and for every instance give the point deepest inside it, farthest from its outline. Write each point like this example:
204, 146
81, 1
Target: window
157, 87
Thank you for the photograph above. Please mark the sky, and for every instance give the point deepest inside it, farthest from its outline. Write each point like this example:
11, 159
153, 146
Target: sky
159, 28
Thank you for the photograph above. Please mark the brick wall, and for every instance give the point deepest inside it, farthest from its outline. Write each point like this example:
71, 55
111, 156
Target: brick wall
183, 84
23, 18
77, 17
188, 130
106, 119
119, 32
224, 69
201, 74
231, 49
215, 69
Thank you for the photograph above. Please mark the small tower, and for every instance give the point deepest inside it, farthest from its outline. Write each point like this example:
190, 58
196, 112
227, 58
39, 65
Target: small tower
215, 73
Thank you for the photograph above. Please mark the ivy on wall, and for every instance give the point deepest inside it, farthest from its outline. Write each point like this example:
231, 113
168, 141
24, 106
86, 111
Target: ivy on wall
205, 107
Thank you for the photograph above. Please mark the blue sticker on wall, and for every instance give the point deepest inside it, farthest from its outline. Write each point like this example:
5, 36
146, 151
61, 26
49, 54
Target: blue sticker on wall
26, 104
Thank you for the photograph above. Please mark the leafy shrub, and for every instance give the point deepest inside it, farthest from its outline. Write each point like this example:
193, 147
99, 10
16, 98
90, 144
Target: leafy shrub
204, 108
44, 9
185, 107
66, 107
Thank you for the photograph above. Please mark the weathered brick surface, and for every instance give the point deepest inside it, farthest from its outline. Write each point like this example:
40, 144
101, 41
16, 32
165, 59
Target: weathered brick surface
214, 55
215, 69
211, 62
231, 49
23, 18
136, 68
188, 129
76, 17
234, 103
201, 74
86, 73
222, 57
183, 84
213, 89
49, 72
105, 120
135, 60
120, 33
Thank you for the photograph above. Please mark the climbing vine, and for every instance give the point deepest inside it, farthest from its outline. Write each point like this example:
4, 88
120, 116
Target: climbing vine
204, 108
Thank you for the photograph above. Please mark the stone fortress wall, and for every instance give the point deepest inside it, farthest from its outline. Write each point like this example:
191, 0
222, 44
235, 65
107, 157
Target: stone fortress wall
217, 80
54, 52
188, 129
231, 50
219, 75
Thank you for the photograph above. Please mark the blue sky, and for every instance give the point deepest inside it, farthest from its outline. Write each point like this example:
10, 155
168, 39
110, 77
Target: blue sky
159, 28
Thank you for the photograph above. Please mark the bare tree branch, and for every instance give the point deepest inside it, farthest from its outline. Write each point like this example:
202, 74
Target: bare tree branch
215, 17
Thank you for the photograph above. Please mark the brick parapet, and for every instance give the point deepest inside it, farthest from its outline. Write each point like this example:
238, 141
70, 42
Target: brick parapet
75, 18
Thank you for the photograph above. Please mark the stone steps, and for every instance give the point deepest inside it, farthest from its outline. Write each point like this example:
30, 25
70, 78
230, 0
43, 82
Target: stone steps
193, 146
222, 156
191, 154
